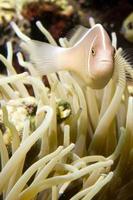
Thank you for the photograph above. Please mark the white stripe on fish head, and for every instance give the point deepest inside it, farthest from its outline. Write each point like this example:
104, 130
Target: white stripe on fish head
104, 40
100, 55
103, 36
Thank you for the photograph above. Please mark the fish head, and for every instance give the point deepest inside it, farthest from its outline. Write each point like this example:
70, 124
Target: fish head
100, 61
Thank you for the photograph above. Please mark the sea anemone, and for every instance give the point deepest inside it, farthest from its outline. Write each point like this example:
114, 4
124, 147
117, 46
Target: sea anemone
76, 143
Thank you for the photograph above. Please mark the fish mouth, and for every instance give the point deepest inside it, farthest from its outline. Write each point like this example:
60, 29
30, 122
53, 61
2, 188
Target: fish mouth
106, 61
105, 69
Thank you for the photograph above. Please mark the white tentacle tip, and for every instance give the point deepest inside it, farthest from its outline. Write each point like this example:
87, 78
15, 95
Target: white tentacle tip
18, 32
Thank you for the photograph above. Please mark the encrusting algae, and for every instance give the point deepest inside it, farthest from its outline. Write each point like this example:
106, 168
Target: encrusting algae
93, 143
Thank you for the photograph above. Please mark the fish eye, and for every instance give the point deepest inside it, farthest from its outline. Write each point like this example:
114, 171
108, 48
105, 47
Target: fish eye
93, 52
130, 25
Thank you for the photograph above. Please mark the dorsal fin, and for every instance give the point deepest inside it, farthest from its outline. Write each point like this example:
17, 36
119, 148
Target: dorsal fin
76, 34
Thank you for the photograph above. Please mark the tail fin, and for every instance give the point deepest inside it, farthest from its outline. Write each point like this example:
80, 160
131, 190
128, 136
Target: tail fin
43, 56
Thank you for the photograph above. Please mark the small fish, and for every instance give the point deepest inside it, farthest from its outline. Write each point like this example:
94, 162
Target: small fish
127, 28
91, 57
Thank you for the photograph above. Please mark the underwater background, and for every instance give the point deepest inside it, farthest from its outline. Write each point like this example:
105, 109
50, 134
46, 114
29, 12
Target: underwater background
60, 17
